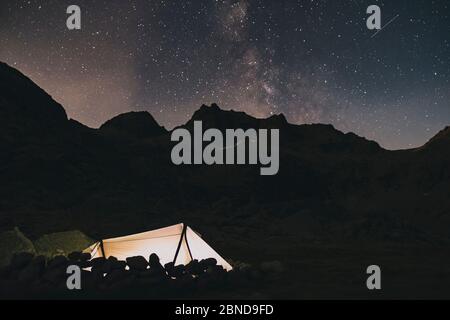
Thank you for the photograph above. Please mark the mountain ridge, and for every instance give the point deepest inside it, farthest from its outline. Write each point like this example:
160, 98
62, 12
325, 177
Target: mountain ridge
59, 175
214, 115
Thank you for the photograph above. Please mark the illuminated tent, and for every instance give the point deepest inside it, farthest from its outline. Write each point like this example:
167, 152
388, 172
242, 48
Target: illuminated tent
178, 244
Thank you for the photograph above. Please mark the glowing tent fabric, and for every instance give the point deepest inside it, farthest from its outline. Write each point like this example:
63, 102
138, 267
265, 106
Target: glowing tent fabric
178, 243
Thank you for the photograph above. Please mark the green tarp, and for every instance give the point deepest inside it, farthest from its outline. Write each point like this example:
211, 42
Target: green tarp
49, 245
62, 243
12, 242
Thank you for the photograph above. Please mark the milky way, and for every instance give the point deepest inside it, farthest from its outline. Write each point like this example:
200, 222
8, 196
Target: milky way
314, 61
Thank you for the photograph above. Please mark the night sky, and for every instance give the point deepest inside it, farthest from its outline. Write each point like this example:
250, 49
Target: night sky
314, 61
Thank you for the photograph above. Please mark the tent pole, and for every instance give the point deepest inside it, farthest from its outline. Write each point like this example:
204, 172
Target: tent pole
102, 248
179, 243
187, 244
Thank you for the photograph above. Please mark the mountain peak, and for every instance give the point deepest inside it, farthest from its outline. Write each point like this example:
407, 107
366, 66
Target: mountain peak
22, 101
443, 134
278, 119
205, 111
441, 139
215, 117
133, 124
213, 107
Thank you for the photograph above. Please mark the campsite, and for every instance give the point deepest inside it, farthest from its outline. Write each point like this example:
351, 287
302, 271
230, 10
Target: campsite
178, 244
29, 276
168, 262
312, 271
338, 204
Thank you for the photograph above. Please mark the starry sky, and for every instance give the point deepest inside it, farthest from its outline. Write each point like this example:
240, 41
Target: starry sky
314, 61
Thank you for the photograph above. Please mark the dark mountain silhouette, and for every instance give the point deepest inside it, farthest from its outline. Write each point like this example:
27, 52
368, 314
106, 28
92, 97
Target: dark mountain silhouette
58, 174
25, 106
439, 141
136, 125
214, 117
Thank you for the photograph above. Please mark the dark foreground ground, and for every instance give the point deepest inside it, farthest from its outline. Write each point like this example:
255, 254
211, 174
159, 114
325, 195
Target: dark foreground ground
317, 272
313, 272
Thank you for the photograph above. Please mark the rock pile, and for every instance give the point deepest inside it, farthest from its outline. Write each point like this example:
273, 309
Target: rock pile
34, 276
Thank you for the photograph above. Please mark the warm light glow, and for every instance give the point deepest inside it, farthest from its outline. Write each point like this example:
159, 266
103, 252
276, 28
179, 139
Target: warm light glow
163, 242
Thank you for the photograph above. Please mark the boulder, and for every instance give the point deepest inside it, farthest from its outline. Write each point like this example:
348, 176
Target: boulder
58, 262
33, 271
158, 272
97, 274
55, 275
153, 260
194, 267
119, 265
106, 267
179, 271
215, 270
98, 262
74, 256
85, 256
21, 260
170, 269
137, 263
113, 264
208, 263
115, 276
89, 280
84, 264
155, 265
